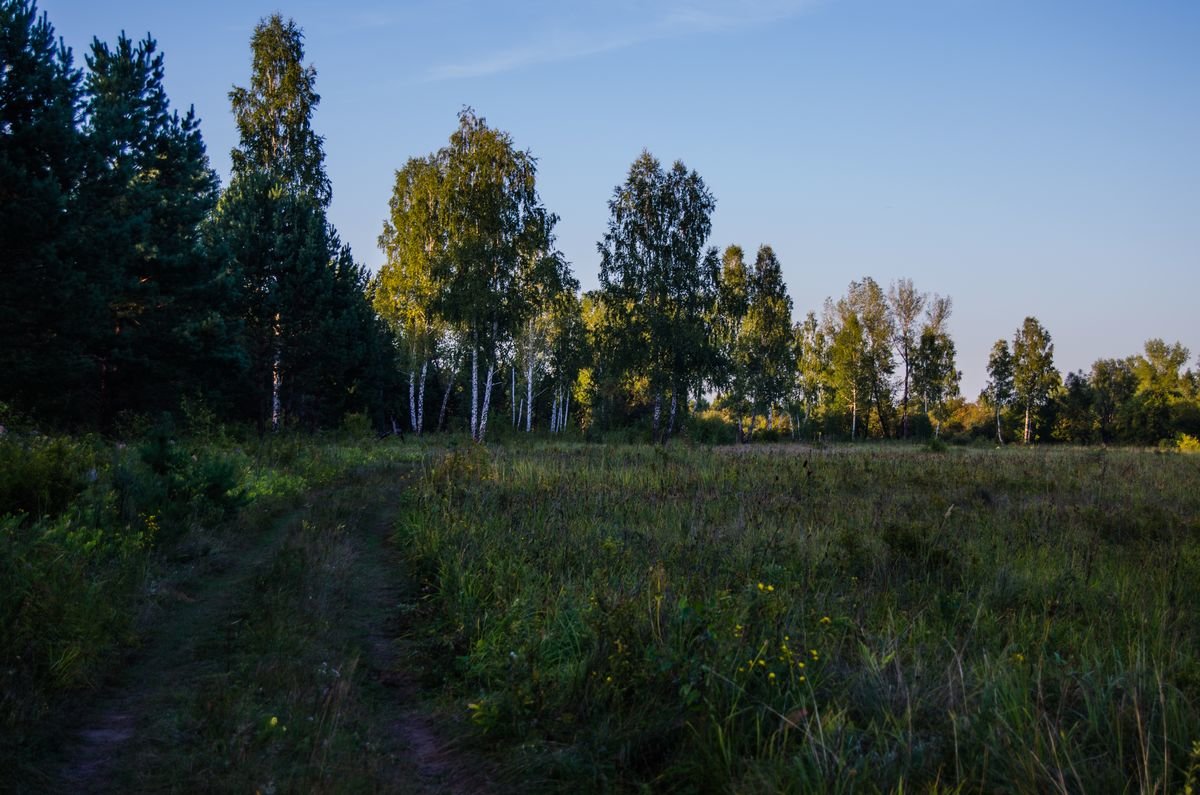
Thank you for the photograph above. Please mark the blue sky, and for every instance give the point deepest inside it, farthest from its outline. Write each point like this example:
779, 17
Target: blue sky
1026, 157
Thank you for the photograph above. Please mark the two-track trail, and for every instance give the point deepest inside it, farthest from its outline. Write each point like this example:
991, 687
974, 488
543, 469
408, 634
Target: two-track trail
277, 660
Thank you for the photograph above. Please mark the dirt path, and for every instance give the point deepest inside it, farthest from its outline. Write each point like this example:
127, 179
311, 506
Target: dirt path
294, 623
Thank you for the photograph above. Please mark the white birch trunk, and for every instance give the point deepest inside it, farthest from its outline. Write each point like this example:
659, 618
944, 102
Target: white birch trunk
421, 398
554, 414
671, 420
657, 414
412, 401
475, 393
770, 415
487, 400
529, 395
276, 376
512, 395
566, 408
853, 413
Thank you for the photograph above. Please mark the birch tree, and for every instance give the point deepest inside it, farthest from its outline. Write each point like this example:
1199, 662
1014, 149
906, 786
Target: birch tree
905, 304
999, 389
278, 157
659, 281
812, 367
935, 375
1034, 375
733, 303
494, 226
861, 330
303, 296
412, 238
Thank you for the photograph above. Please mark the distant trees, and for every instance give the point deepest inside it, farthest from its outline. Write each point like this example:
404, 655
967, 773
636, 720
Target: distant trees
659, 282
131, 283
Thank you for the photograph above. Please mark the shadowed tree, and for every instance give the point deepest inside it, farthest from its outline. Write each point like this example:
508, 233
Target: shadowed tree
148, 190
45, 368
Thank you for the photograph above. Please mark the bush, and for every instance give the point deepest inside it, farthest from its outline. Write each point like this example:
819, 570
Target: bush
40, 475
709, 427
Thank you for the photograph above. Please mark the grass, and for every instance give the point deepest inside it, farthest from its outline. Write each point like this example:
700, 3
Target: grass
97, 536
873, 618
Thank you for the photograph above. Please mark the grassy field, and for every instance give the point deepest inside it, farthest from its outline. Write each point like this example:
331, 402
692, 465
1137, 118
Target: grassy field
796, 620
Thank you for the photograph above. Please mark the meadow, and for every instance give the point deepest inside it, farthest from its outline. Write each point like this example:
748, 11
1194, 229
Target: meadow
330, 612
794, 619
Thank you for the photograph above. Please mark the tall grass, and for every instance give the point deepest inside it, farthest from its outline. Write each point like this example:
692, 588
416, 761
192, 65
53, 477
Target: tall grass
882, 618
83, 521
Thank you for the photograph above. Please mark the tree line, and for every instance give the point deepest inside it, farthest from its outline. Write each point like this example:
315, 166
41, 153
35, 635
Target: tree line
134, 283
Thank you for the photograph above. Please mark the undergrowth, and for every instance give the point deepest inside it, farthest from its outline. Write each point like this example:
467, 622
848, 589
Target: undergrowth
85, 522
882, 618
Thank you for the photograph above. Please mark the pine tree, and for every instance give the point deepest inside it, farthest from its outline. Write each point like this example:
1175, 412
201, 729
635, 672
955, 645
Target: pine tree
46, 304
148, 190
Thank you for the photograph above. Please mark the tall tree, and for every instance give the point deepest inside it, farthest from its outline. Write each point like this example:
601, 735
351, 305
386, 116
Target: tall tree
148, 190
299, 283
274, 114
46, 303
935, 375
905, 304
1034, 375
733, 303
1160, 386
659, 281
812, 366
496, 232
412, 237
1000, 390
861, 329
765, 350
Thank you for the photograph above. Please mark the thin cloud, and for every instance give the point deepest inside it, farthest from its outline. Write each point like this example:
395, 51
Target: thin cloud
620, 25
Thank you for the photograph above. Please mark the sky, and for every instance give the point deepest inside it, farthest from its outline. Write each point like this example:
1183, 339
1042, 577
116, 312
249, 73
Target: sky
1025, 157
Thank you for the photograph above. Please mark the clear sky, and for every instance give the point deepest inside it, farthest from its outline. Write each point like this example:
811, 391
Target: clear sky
1026, 157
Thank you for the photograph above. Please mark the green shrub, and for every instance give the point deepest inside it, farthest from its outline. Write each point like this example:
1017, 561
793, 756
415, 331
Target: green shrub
41, 475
